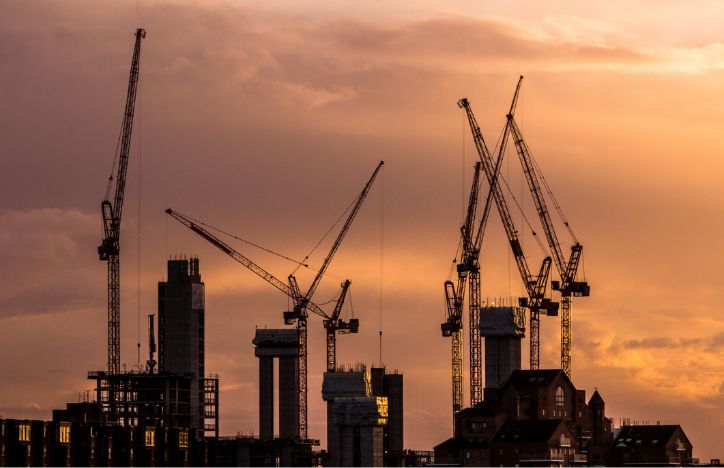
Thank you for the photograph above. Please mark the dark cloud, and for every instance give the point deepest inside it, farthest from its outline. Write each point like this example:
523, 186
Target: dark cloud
655, 343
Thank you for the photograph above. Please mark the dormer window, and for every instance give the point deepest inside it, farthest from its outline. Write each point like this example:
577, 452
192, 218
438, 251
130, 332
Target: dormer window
560, 398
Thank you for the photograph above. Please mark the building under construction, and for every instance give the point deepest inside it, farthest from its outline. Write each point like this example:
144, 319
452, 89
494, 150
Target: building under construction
364, 417
177, 394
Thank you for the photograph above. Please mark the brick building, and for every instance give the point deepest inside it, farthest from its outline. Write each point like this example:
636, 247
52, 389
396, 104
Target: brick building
652, 445
535, 415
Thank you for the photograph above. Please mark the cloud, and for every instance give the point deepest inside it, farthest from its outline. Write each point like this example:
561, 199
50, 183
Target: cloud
662, 342
47, 261
266, 123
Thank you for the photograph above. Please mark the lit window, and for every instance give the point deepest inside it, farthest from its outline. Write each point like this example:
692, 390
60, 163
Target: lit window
560, 398
183, 439
150, 437
24, 432
64, 433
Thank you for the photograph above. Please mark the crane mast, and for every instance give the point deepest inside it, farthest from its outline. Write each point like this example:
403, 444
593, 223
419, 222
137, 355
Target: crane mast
109, 250
567, 270
535, 285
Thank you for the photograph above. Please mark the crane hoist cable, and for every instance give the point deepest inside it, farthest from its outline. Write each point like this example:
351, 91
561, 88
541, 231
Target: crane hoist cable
557, 206
326, 234
501, 178
214, 228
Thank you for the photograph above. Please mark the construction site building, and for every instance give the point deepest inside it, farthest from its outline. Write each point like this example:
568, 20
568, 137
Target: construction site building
178, 395
356, 417
181, 304
389, 385
278, 344
503, 329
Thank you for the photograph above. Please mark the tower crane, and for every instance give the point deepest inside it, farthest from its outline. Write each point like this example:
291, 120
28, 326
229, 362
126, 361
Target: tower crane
299, 313
568, 270
453, 325
109, 250
291, 289
536, 302
302, 302
469, 266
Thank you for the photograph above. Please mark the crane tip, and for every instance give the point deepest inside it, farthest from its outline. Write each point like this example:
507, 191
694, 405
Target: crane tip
169, 210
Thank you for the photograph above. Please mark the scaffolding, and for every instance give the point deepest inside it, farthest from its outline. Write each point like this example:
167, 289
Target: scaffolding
160, 399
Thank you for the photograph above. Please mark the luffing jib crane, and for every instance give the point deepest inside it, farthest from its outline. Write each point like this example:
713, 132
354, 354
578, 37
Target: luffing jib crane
302, 302
109, 250
453, 325
535, 286
568, 270
299, 313
291, 290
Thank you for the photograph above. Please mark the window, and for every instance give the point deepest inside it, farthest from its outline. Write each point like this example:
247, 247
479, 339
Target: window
64, 433
24, 432
150, 437
478, 426
183, 439
560, 397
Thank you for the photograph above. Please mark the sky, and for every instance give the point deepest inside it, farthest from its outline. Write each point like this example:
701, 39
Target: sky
266, 119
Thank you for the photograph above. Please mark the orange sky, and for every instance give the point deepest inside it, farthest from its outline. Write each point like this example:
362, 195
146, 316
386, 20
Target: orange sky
267, 120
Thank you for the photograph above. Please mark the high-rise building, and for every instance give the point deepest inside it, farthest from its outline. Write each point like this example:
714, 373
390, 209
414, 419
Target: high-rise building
181, 330
389, 385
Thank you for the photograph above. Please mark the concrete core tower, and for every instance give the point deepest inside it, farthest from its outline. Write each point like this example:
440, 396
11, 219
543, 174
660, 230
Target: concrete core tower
181, 303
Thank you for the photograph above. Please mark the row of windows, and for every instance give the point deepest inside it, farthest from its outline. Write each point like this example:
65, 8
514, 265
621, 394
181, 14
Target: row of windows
64, 435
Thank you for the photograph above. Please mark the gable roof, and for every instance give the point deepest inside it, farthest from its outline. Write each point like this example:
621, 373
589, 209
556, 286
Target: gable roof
526, 431
526, 378
646, 435
596, 399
